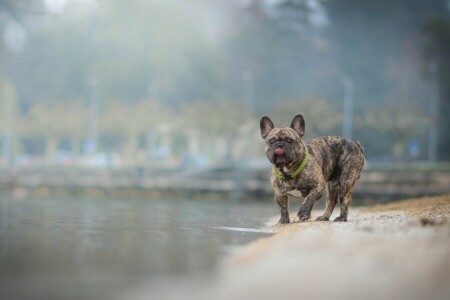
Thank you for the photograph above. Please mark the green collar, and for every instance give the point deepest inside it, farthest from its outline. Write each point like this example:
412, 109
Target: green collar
302, 165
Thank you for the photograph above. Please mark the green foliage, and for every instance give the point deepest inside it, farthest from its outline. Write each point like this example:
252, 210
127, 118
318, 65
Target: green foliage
212, 117
322, 117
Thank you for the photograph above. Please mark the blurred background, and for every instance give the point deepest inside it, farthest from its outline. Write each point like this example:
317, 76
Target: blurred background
177, 83
152, 89
104, 101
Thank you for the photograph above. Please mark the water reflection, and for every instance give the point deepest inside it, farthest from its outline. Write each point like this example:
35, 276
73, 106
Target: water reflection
85, 244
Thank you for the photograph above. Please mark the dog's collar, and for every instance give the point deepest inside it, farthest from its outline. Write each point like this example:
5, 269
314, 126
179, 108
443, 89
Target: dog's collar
302, 165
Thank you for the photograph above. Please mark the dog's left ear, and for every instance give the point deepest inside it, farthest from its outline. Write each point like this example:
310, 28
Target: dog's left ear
298, 124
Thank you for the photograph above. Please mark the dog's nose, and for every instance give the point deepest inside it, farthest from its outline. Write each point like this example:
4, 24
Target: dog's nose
280, 145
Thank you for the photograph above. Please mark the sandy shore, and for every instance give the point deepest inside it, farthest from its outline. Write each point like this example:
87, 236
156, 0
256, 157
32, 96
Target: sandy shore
394, 251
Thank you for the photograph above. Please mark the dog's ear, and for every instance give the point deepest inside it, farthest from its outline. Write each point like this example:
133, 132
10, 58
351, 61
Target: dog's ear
266, 126
298, 124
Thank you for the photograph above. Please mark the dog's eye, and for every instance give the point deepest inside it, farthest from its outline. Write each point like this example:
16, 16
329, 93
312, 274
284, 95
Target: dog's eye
290, 141
271, 141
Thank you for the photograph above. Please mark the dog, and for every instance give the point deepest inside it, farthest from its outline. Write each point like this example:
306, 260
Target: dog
330, 162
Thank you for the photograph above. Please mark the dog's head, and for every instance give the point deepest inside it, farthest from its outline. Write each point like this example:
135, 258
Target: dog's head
283, 145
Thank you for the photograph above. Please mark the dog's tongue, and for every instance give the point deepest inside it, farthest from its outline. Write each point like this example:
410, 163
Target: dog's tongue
278, 151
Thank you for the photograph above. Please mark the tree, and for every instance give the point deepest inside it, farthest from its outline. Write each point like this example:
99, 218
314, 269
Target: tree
212, 127
124, 125
16, 12
136, 50
399, 121
322, 117
53, 123
437, 50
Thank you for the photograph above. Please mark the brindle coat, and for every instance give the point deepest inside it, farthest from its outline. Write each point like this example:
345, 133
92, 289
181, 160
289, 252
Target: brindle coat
334, 162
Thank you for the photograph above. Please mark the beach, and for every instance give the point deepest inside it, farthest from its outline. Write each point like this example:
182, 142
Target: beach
399, 250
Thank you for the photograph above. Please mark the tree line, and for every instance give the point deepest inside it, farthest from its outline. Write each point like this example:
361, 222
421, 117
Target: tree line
216, 64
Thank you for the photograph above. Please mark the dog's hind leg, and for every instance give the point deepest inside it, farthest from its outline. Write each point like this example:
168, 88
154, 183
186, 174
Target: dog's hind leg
345, 194
332, 198
345, 201
351, 171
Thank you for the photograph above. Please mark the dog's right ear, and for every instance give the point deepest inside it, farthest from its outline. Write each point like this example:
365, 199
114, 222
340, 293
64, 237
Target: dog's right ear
266, 126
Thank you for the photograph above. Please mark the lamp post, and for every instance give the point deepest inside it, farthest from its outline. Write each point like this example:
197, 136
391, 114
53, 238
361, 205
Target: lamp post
249, 92
434, 111
241, 174
6, 138
249, 99
347, 128
93, 115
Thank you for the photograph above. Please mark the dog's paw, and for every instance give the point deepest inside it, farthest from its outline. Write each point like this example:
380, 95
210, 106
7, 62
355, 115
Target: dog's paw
302, 217
340, 219
322, 218
283, 221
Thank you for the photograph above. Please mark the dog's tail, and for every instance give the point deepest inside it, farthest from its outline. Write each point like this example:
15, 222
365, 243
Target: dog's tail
361, 148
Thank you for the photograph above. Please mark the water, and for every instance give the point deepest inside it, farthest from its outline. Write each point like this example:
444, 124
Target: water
69, 248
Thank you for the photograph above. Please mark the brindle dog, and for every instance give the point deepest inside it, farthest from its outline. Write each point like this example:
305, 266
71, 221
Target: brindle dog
332, 162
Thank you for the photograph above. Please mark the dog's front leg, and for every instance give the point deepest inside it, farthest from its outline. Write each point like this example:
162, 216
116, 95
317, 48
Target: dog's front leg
304, 213
283, 204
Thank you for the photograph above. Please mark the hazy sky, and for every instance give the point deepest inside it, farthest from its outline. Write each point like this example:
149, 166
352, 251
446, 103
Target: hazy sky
56, 6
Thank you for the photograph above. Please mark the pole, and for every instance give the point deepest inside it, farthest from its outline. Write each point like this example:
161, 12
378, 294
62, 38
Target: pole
249, 93
241, 172
6, 138
347, 128
434, 112
93, 115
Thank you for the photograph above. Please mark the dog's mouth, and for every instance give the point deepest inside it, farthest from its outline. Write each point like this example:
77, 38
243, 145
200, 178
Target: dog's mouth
279, 157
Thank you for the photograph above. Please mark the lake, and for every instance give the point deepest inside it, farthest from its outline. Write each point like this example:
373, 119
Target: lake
80, 248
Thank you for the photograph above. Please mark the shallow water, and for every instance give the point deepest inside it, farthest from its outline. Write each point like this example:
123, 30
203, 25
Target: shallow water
70, 248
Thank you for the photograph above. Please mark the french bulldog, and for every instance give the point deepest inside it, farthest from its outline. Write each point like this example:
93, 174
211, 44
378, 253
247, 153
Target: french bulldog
330, 162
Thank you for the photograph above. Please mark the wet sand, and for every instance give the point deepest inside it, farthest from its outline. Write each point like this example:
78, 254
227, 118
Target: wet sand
399, 250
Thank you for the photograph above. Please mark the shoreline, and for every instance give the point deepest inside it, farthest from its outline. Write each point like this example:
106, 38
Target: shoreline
399, 250
380, 185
